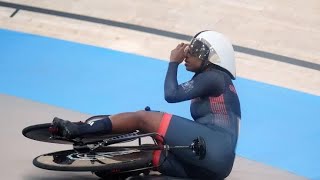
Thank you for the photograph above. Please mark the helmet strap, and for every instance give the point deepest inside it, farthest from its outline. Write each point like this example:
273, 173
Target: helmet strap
204, 65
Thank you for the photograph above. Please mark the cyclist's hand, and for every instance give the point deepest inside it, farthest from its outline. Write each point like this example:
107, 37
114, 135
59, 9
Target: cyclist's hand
178, 54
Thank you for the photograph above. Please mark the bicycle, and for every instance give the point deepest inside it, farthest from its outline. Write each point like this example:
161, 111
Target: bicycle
99, 155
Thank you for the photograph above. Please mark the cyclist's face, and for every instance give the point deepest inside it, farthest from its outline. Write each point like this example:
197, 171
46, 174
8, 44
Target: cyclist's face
192, 63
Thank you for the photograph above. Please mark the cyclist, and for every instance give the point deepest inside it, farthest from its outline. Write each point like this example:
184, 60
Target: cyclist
215, 109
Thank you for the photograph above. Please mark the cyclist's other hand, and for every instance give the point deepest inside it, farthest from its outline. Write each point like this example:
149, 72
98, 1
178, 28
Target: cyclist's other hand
178, 54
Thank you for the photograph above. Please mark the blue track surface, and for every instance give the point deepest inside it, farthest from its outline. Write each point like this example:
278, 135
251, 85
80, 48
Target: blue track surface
280, 127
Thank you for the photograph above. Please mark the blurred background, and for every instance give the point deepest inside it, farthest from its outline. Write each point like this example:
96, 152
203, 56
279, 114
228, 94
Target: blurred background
78, 58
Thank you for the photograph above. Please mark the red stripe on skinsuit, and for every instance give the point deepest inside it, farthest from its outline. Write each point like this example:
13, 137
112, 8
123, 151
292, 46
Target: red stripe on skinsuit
216, 104
213, 106
164, 124
219, 104
224, 109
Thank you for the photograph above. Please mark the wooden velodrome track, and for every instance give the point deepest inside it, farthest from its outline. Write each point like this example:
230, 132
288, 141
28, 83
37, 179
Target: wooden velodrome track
275, 43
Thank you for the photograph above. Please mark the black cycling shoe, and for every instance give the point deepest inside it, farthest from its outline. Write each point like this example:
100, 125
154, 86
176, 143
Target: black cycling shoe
65, 128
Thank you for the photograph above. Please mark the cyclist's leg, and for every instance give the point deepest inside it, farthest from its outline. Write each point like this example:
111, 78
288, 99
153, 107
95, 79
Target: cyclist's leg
220, 153
170, 166
145, 121
149, 121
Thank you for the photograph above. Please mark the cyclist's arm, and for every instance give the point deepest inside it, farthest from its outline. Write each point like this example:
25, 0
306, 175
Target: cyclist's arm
204, 84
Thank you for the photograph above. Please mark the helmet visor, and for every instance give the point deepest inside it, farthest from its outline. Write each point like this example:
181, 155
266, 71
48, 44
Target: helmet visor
199, 48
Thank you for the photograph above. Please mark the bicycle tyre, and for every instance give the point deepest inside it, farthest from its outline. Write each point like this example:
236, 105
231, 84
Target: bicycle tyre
40, 132
111, 160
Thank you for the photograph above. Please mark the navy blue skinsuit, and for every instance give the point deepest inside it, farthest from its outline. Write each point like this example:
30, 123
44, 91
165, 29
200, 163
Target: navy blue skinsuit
215, 108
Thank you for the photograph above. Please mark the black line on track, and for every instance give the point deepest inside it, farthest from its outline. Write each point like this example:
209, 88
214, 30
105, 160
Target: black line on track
241, 49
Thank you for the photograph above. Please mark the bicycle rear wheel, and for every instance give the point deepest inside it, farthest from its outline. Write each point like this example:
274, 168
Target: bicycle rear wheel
111, 160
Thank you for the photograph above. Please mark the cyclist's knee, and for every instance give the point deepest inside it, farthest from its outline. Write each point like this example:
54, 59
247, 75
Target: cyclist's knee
143, 118
148, 119
142, 114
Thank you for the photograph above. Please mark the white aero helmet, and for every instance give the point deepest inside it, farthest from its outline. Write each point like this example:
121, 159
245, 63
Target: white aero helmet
216, 48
